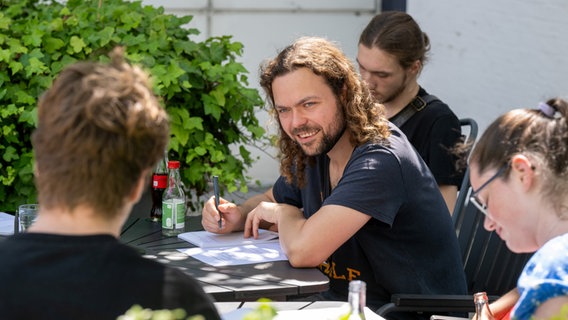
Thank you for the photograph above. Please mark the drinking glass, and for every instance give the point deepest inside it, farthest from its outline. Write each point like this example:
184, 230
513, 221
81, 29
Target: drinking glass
27, 213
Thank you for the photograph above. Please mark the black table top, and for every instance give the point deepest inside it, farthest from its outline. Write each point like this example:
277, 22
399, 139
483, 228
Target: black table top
275, 280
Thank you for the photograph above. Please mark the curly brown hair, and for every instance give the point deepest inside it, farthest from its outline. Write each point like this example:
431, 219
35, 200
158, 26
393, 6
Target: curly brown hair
363, 116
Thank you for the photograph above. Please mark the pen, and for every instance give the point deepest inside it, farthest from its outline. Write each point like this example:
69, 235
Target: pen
216, 191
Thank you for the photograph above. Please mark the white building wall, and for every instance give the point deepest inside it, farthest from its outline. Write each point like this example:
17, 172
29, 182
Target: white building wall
492, 56
487, 56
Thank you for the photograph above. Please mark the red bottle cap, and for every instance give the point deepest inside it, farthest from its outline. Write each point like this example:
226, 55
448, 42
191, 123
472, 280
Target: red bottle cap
173, 164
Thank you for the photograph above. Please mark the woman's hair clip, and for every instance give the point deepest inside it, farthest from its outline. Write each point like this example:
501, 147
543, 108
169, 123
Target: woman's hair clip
547, 110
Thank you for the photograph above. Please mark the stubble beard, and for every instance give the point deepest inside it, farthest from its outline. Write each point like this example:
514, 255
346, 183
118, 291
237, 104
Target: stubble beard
329, 140
399, 90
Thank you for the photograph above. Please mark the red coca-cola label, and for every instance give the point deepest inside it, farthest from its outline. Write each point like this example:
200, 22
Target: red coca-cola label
159, 181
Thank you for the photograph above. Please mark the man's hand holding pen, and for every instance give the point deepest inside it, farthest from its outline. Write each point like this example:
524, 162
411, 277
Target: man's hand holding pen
231, 216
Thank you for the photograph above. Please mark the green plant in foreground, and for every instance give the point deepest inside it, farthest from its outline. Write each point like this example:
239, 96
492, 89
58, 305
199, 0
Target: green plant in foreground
265, 311
201, 84
136, 312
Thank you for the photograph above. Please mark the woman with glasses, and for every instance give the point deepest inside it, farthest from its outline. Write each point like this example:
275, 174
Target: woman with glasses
519, 174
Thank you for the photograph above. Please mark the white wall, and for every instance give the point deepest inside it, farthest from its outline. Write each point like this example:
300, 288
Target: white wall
492, 56
487, 56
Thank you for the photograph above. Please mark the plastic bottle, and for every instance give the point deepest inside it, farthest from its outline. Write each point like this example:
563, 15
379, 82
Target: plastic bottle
173, 203
482, 311
356, 300
159, 184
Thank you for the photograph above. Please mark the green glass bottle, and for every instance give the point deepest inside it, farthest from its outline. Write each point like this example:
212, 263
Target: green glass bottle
173, 203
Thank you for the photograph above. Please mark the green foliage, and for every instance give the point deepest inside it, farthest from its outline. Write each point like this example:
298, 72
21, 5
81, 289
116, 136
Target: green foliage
136, 312
265, 311
202, 86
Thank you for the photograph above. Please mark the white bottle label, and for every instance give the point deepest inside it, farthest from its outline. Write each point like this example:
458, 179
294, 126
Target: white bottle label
173, 214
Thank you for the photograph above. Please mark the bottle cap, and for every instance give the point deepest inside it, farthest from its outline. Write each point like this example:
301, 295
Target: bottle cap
357, 285
173, 164
480, 296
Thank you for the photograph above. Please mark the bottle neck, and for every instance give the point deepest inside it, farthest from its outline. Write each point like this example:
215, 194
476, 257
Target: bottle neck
479, 306
482, 306
355, 302
173, 177
356, 298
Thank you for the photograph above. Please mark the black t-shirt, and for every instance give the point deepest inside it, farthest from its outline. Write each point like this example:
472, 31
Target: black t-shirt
434, 131
46, 276
409, 245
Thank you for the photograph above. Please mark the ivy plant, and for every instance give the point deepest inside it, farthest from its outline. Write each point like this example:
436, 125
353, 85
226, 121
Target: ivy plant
201, 84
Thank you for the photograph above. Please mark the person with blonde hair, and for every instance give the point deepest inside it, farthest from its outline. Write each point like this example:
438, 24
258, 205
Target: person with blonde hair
100, 132
519, 174
354, 198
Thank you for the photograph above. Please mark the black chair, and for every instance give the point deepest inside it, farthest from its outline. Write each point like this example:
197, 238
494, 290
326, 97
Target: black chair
488, 264
469, 133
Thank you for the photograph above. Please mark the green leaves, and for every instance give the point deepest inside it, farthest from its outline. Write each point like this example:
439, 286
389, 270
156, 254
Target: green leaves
202, 86
136, 312
76, 45
4, 22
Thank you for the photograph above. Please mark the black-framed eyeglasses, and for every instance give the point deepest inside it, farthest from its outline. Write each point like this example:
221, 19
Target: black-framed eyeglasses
474, 195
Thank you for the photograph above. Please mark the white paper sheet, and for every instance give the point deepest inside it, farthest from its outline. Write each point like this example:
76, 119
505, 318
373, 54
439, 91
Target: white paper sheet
207, 239
231, 256
6, 224
237, 314
322, 314
307, 314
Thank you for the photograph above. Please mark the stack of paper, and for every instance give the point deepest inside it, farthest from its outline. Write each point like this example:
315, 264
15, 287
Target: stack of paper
205, 239
233, 248
6, 224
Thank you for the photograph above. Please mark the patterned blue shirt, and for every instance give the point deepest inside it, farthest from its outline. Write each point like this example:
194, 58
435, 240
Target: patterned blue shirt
544, 277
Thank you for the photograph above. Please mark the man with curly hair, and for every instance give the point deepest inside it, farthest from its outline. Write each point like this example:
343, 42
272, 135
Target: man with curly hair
354, 198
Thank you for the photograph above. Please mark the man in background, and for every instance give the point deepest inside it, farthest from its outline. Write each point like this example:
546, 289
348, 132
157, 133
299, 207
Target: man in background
391, 54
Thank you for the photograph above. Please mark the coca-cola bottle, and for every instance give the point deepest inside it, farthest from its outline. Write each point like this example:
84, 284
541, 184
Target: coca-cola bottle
482, 311
159, 184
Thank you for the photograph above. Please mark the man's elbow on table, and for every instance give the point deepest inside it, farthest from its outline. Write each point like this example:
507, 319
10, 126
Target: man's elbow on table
304, 258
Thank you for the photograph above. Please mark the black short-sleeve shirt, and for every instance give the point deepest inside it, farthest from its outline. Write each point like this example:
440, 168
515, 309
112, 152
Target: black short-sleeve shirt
434, 131
409, 245
48, 276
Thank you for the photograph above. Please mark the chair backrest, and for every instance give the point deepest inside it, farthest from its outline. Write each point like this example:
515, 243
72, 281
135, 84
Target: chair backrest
488, 264
469, 129
469, 133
